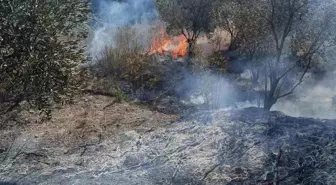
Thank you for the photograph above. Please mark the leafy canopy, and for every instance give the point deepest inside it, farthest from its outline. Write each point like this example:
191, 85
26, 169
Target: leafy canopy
40, 49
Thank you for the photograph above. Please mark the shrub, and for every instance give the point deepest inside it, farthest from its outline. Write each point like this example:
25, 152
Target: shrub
127, 61
39, 49
218, 61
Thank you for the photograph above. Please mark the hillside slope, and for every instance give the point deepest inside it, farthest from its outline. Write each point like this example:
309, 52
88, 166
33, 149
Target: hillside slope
246, 146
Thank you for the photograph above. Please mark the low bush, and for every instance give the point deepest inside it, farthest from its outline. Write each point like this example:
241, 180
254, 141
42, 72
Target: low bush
127, 61
218, 61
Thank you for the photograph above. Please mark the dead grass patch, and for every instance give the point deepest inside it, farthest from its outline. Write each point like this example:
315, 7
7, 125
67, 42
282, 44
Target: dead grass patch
88, 121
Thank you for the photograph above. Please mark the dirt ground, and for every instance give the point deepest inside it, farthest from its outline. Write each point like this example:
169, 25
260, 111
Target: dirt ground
89, 120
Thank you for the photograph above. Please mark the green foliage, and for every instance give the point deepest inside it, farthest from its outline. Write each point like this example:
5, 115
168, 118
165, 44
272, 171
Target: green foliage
119, 94
40, 49
191, 15
218, 61
187, 17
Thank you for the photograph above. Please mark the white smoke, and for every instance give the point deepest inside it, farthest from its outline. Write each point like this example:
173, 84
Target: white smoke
208, 89
313, 99
112, 14
215, 91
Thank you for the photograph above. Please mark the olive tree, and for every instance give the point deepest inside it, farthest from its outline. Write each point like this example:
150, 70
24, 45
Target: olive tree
40, 49
297, 34
187, 17
231, 16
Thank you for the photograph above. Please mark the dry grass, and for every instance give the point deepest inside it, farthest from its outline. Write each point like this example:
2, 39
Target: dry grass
88, 120
127, 60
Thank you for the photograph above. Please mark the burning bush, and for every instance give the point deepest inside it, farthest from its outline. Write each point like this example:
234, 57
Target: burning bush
127, 61
164, 45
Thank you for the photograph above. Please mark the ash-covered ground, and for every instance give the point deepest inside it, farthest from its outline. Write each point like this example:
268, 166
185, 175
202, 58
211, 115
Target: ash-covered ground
128, 144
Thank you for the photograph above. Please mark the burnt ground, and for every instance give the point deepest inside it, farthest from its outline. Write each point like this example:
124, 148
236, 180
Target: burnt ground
92, 143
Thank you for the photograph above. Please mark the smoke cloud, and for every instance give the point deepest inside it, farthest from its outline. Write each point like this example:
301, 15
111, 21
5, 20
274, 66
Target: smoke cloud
112, 14
208, 89
314, 98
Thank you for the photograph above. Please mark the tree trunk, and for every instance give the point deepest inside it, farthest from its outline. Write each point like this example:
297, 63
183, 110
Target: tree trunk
269, 102
190, 53
233, 44
270, 96
190, 48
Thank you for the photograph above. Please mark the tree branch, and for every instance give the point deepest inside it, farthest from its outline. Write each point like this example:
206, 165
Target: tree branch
286, 72
298, 83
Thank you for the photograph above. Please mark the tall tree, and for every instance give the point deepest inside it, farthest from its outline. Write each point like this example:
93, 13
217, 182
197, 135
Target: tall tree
298, 33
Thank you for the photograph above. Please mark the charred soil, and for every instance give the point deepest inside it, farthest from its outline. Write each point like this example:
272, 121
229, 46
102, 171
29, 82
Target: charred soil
94, 142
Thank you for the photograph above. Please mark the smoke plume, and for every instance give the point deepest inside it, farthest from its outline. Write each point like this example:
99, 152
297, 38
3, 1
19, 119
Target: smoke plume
314, 98
112, 14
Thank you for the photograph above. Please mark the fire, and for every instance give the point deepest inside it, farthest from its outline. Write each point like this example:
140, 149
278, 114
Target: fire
176, 46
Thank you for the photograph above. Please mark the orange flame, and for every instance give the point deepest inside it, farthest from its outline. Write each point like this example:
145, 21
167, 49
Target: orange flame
176, 46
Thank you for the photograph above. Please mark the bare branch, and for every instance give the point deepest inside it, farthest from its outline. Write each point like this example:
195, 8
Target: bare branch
286, 72
298, 83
